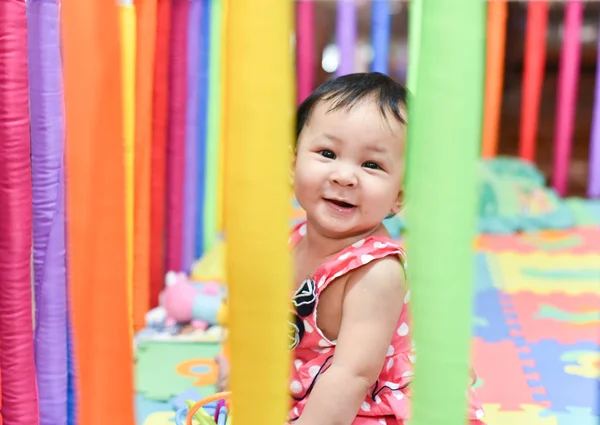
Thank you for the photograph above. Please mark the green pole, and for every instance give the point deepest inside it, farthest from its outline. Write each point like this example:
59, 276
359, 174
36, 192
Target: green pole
213, 125
415, 8
445, 119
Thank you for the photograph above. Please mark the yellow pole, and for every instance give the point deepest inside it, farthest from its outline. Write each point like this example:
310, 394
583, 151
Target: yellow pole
127, 20
259, 131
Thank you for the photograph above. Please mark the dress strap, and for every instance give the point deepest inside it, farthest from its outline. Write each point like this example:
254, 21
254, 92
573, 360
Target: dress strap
297, 233
357, 255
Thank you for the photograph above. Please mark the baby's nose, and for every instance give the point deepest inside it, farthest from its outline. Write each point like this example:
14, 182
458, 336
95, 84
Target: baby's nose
344, 175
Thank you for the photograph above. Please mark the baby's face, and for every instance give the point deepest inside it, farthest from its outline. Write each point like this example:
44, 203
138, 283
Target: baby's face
349, 168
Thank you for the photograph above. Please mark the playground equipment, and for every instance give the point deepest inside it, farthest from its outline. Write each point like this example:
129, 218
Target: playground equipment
111, 179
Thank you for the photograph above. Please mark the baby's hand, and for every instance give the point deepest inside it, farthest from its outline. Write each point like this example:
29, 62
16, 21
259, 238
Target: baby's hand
223, 377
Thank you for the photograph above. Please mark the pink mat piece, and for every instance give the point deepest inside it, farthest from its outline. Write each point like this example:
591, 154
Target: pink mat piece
580, 240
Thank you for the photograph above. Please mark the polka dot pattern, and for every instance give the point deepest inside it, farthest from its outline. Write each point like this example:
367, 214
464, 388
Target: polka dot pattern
296, 387
324, 343
403, 329
479, 414
314, 371
321, 281
344, 256
366, 258
302, 230
358, 244
390, 364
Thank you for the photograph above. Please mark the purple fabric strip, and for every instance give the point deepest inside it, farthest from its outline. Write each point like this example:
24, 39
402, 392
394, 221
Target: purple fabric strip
594, 173
191, 136
49, 253
345, 34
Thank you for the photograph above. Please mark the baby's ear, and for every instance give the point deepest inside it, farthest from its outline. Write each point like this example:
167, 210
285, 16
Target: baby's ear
398, 203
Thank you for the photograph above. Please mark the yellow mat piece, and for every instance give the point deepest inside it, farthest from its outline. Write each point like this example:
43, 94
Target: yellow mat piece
530, 415
542, 273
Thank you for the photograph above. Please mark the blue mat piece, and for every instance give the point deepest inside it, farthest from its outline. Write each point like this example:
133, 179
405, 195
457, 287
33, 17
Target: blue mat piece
145, 407
564, 389
489, 319
189, 394
574, 416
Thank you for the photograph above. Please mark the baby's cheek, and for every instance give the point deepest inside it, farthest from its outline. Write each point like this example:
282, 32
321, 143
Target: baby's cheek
305, 184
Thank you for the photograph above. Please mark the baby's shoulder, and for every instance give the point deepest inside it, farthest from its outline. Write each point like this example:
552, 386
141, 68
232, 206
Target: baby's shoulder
376, 252
385, 274
370, 258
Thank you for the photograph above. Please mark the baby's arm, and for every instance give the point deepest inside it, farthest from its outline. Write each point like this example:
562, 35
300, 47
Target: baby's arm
223, 376
371, 308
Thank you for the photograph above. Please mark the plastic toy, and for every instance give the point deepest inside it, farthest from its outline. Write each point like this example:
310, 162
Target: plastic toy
196, 411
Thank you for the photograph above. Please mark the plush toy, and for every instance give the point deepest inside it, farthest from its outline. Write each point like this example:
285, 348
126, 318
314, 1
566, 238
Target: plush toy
201, 304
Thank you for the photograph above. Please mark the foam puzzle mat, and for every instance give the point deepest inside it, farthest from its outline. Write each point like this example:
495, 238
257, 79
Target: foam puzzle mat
535, 342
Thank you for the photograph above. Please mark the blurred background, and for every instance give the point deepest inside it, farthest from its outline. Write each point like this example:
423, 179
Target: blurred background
327, 58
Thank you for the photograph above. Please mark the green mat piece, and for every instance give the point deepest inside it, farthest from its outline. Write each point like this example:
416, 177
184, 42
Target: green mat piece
583, 211
480, 321
156, 377
574, 356
568, 242
562, 274
550, 312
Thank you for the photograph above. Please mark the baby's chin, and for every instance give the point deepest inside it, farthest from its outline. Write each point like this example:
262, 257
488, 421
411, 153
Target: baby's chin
343, 231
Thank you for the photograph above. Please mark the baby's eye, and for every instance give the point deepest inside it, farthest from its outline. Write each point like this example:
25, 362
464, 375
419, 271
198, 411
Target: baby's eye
327, 153
372, 165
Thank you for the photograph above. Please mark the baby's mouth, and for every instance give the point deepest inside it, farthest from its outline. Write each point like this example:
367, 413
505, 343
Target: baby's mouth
341, 204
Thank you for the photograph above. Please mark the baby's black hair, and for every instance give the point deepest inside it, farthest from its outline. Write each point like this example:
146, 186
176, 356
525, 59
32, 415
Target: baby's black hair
347, 90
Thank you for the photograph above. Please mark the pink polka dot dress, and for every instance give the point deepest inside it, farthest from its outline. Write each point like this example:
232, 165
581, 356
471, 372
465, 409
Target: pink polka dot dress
387, 401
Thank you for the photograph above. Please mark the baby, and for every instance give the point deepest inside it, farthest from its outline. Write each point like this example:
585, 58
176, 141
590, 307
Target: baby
351, 332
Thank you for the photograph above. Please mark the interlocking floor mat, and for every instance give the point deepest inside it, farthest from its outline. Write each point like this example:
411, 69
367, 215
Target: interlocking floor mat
535, 345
